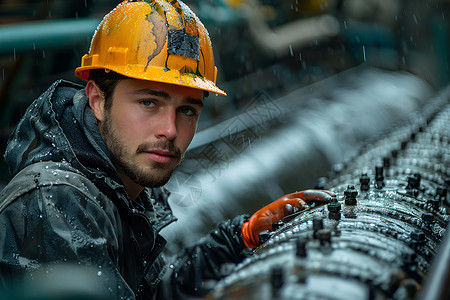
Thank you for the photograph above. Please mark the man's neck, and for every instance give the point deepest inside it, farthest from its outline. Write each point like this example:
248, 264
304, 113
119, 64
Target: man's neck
133, 188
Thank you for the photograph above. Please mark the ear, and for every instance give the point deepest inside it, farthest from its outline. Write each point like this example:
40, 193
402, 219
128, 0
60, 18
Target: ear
96, 99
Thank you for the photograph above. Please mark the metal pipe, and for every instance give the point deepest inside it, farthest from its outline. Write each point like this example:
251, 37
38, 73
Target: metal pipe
293, 34
44, 35
438, 282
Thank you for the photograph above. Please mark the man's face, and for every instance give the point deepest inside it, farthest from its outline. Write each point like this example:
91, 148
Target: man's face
149, 127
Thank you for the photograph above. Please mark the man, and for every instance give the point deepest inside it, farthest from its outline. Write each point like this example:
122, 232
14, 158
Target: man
89, 164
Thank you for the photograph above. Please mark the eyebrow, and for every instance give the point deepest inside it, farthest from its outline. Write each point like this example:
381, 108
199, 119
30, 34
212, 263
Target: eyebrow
165, 95
161, 94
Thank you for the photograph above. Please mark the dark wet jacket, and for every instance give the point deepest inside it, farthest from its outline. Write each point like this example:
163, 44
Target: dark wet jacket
67, 207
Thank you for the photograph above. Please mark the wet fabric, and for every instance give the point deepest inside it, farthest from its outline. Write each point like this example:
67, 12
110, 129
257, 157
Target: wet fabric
67, 209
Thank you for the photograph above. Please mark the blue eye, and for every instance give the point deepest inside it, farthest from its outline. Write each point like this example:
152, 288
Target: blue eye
148, 103
187, 111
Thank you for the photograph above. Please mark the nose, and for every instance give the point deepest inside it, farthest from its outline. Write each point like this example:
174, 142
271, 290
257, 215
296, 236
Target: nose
166, 127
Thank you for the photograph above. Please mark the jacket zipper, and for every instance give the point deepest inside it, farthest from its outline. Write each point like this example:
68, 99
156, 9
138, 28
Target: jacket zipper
140, 269
140, 258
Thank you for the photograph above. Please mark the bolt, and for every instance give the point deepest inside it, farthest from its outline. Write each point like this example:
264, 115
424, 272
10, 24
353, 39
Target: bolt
386, 162
264, 236
441, 194
334, 205
350, 192
324, 236
301, 248
427, 218
277, 278
418, 238
364, 180
413, 181
394, 153
403, 145
277, 225
317, 225
379, 178
418, 177
350, 195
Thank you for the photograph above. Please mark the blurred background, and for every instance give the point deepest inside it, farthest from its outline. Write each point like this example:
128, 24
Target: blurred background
309, 82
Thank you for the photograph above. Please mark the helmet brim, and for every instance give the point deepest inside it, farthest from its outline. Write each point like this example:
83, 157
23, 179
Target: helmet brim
159, 75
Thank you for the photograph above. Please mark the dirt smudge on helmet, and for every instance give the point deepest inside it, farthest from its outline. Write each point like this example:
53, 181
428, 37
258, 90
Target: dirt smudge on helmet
159, 32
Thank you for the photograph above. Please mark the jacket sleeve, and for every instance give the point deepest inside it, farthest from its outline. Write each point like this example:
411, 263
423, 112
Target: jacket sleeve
199, 267
57, 237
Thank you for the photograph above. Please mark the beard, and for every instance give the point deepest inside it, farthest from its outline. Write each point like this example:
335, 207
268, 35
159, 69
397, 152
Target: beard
156, 175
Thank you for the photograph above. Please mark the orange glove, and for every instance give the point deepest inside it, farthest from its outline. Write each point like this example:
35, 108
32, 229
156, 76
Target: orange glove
277, 210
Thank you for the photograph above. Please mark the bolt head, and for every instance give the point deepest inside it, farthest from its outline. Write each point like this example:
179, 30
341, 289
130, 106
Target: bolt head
427, 217
264, 236
350, 192
277, 225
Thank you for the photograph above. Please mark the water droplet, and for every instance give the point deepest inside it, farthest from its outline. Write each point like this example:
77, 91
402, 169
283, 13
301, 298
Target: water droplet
364, 52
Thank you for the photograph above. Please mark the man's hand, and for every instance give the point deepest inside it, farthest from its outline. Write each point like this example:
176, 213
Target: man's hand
277, 210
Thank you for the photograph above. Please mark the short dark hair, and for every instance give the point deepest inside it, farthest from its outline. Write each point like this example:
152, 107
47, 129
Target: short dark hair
106, 82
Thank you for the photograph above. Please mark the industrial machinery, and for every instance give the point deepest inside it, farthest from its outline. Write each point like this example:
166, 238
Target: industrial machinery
383, 237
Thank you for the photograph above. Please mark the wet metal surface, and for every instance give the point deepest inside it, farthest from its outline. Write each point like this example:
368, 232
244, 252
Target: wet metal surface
379, 237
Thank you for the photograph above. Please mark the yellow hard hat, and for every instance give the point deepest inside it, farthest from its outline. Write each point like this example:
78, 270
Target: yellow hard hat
153, 40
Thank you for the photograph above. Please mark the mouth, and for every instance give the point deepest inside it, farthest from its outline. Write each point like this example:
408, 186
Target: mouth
161, 156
